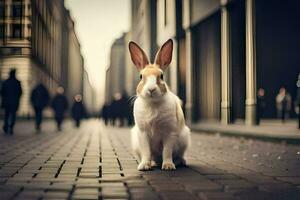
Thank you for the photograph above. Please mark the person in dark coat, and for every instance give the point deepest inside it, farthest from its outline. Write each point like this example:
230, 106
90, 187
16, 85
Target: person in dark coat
39, 99
11, 92
115, 108
60, 106
78, 110
105, 113
260, 105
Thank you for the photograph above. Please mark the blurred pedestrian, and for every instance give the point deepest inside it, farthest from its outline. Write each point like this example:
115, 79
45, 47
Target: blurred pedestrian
60, 106
115, 108
298, 100
39, 100
105, 113
124, 109
283, 104
11, 92
260, 105
78, 111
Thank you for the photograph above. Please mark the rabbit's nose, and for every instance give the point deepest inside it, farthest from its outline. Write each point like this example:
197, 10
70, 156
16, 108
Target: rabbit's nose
152, 90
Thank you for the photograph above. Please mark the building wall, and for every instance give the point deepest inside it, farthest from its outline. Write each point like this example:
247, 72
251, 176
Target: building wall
115, 76
89, 95
207, 69
35, 41
108, 91
131, 73
143, 25
75, 64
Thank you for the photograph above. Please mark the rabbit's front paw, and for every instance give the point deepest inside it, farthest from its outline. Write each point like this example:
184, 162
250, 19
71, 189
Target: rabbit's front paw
168, 166
144, 166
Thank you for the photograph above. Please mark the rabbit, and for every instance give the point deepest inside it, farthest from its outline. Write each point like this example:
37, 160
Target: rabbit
160, 135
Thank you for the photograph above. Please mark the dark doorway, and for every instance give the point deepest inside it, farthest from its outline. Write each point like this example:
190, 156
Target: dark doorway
278, 48
238, 64
206, 69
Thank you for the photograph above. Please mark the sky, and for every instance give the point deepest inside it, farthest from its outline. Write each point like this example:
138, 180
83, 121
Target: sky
97, 24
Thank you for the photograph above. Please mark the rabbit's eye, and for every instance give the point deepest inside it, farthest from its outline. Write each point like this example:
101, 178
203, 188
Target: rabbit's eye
141, 76
162, 77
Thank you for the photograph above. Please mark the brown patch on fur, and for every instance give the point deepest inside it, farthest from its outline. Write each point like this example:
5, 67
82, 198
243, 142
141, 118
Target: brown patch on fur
162, 87
151, 70
140, 87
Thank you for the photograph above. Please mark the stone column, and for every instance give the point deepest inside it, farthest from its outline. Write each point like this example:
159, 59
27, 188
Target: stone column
186, 23
189, 77
174, 68
250, 64
225, 65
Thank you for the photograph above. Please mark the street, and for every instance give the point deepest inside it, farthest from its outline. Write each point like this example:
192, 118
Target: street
96, 162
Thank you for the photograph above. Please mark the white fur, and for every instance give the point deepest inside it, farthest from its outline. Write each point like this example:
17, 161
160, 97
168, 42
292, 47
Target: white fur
160, 133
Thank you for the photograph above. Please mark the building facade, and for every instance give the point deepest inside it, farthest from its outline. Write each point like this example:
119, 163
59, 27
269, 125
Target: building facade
115, 73
75, 67
37, 38
232, 49
89, 96
224, 51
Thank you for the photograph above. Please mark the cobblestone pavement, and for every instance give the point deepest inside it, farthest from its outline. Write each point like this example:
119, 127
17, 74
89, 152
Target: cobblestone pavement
94, 162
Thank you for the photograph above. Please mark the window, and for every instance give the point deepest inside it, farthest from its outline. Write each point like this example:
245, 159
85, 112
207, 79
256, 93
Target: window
2, 10
16, 31
17, 10
29, 31
1, 31
165, 12
16, 51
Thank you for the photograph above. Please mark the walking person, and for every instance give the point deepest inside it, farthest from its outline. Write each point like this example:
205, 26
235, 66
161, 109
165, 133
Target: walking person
78, 110
11, 93
298, 100
60, 106
104, 113
260, 105
283, 104
39, 99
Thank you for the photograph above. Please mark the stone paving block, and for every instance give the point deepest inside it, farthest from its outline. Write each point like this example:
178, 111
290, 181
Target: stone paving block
257, 195
30, 194
136, 183
114, 193
60, 187
236, 185
259, 179
216, 196
168, 187
203, 186
145, 196
222, 177
56, 195
85, 197
177, 195
89, 191
112, 184
290, 179
283, 187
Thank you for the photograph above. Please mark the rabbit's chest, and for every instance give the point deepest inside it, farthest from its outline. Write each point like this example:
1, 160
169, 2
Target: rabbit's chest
157, 122
155, 119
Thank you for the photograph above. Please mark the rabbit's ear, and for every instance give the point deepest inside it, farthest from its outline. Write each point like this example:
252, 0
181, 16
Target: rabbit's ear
138, 56
164, 55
